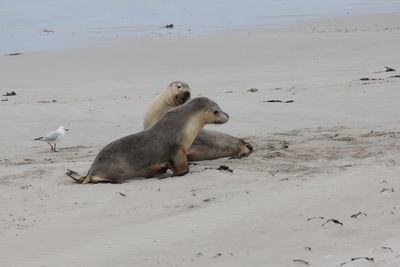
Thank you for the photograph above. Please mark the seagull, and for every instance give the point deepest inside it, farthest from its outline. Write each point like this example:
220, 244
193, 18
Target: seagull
53, 137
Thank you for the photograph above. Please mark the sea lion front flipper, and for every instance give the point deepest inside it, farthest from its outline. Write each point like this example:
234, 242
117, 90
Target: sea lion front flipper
179, 163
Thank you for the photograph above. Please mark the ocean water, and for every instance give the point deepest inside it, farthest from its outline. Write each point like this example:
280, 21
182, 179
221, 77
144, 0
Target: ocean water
74, 23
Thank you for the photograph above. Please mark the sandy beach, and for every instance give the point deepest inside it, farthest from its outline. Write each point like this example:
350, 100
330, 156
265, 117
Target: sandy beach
321, 187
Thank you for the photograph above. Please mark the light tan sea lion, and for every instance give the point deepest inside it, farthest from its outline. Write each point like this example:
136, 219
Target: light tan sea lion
152, 151
208, 144
176, 94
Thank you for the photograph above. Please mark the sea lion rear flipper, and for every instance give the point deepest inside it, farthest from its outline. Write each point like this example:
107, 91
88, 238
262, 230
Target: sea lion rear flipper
97, 179
245, 150
76, 176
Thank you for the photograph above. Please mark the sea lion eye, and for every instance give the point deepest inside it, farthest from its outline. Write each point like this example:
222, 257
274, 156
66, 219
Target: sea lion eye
216, 112
179, 86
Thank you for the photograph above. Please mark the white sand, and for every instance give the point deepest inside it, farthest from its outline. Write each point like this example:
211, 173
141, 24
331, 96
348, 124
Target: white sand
342, 158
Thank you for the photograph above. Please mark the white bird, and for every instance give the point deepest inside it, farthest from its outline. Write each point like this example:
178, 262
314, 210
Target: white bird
53, 137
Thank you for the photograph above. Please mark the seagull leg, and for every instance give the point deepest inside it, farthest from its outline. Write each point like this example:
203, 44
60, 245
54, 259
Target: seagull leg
55, 148
51, 146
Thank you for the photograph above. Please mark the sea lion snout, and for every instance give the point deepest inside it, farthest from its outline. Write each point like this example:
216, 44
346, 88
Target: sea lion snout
182, 97
221, 117
226, 114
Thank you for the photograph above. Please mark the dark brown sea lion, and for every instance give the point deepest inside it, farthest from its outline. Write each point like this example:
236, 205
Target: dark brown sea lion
152, 151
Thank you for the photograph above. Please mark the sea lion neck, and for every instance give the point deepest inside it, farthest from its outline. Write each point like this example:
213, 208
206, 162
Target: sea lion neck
191, 129
169, 105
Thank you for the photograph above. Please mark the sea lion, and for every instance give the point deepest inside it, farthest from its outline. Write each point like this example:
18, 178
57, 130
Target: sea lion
208, 144
214, 145
152, 151
176, 94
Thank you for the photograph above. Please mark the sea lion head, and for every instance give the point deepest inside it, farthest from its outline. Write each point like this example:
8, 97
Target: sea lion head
212, 112
180, 92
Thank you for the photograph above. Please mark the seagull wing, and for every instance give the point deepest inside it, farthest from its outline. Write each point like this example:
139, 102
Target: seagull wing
52, 137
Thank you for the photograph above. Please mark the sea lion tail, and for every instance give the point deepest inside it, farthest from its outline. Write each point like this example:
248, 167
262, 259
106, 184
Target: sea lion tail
76, 176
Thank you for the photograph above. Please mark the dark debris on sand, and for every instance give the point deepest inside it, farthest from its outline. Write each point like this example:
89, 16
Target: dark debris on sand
334, 221
370, 259
252, 90
277, 101
224, 168
370, 79
389, 69
12, 93
355, 216
13, 54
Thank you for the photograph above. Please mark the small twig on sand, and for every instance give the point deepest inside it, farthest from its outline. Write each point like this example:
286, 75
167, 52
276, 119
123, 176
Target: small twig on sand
301, 260
277, 101
383, 248
354, 216
370, 79
313, 218
334, 221
358, 258
387, 189
272, 101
